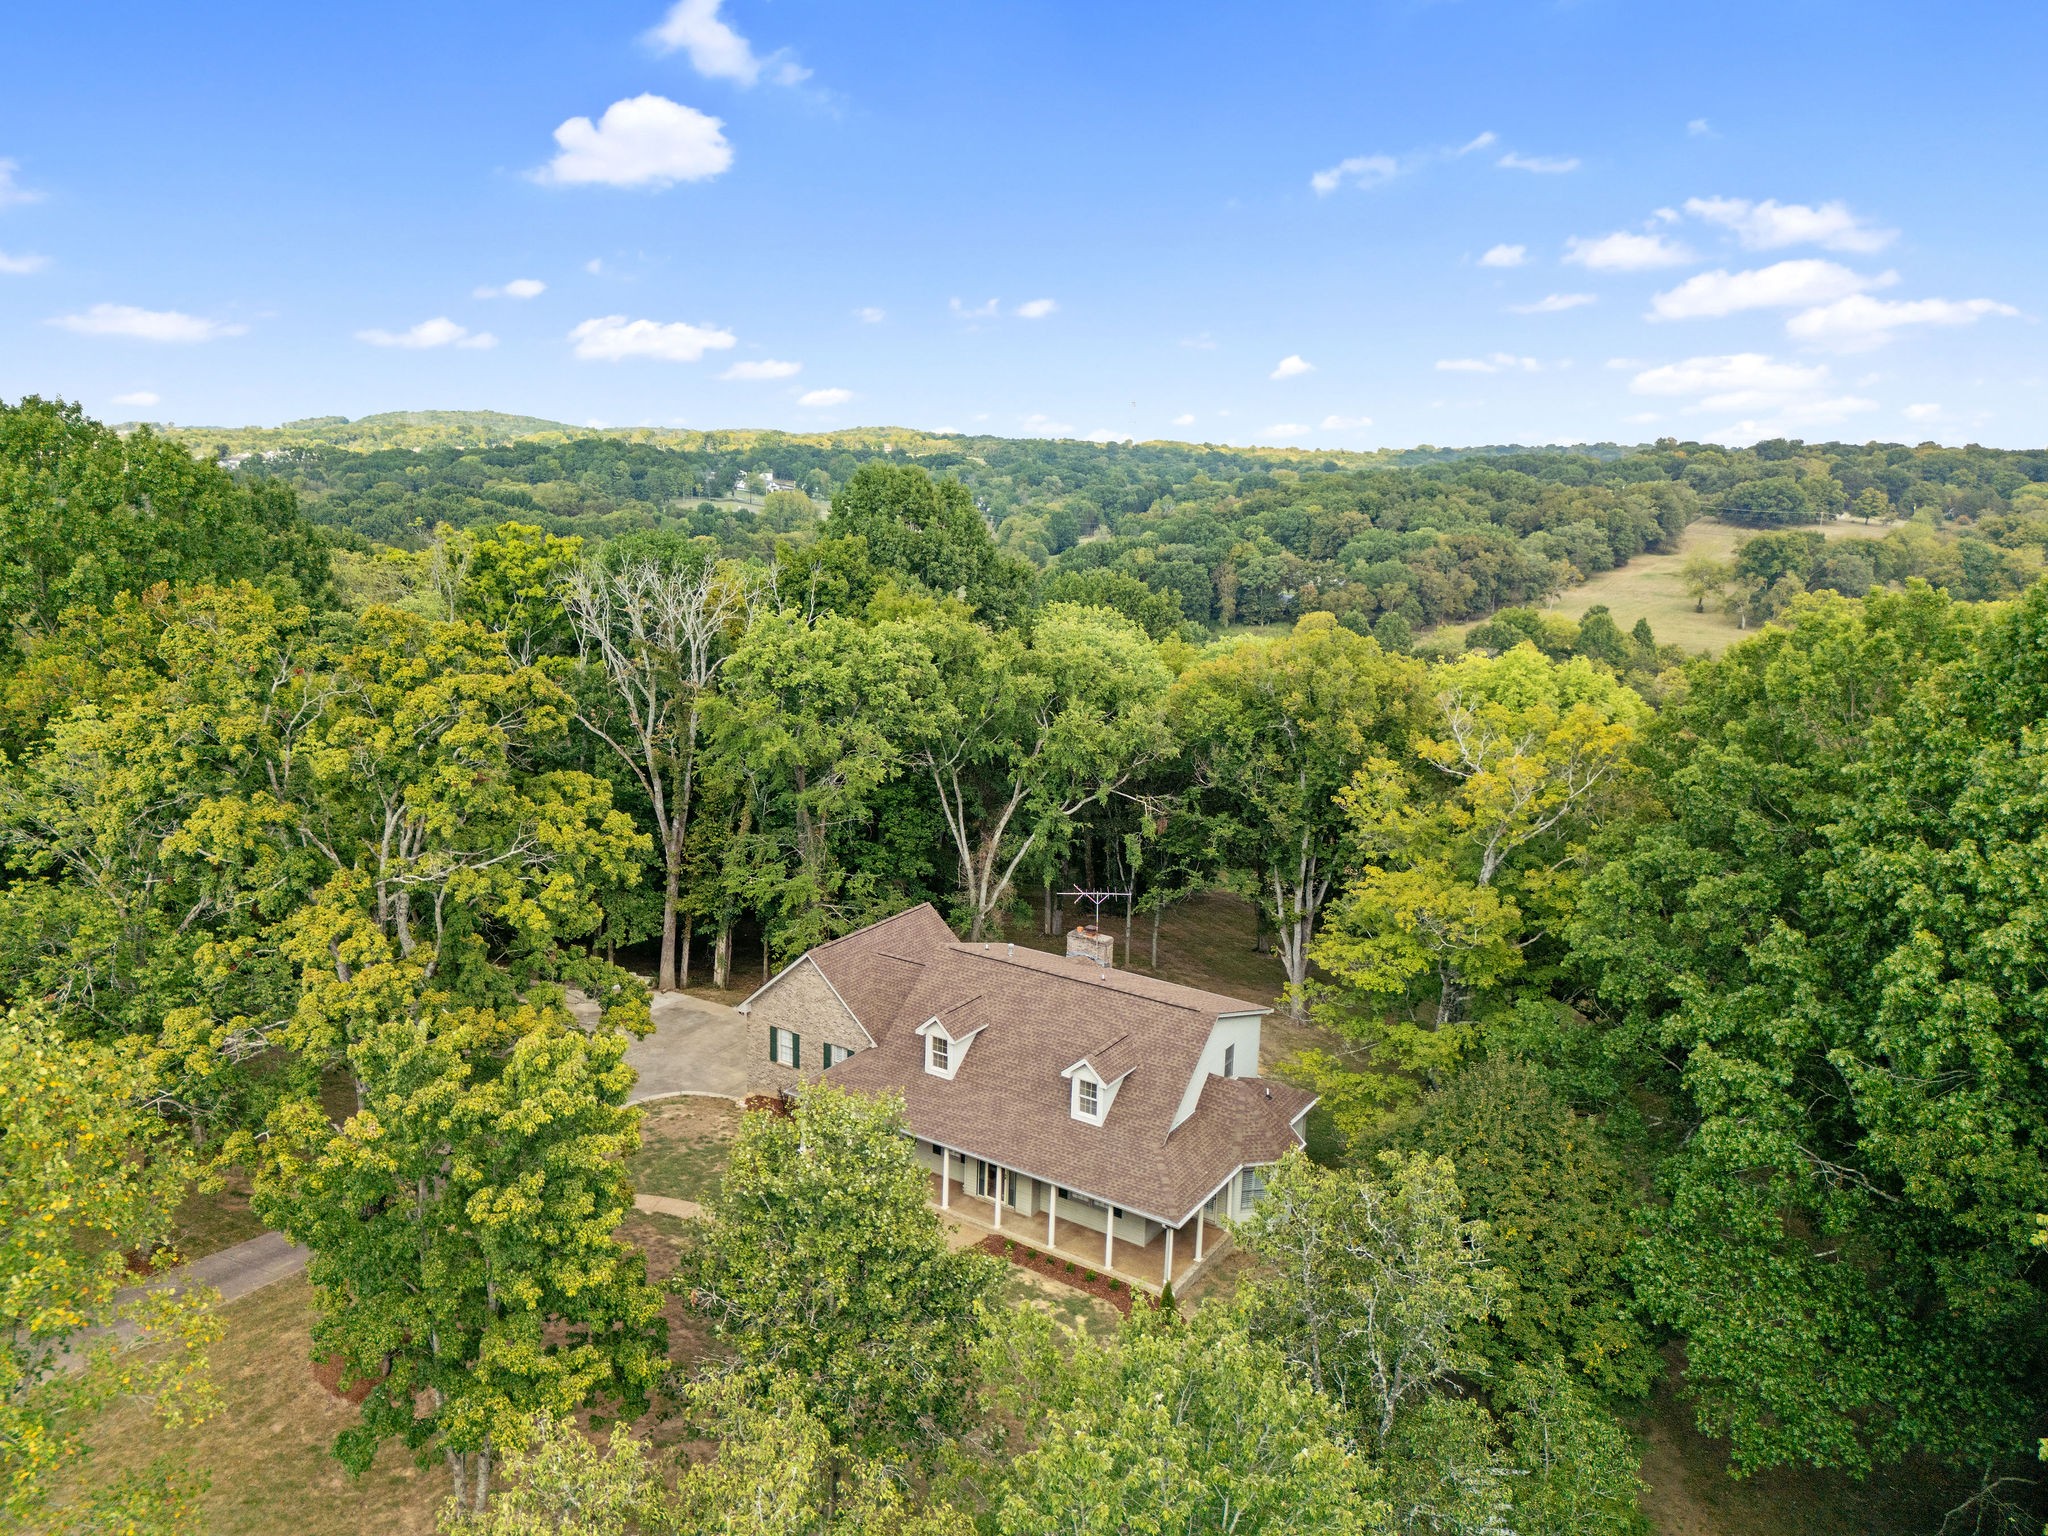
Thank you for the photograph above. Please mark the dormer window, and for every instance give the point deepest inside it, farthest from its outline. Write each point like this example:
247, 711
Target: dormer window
944, 1053
1092, 1092
1230, 1061
937, 1053
1087, 1097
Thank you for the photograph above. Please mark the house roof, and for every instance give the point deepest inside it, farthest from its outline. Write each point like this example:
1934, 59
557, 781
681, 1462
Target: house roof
1036, 1015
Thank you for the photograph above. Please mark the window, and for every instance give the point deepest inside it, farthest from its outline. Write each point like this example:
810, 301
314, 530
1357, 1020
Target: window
1254, 1187
785, 1047
1087, 1096
1230, 1061
938, 1052
833, 1054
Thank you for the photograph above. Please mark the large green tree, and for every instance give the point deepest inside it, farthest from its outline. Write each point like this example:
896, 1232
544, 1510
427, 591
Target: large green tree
86, 513
822, 1261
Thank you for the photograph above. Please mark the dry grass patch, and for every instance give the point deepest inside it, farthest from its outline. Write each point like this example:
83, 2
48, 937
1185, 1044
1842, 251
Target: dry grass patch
683, 1147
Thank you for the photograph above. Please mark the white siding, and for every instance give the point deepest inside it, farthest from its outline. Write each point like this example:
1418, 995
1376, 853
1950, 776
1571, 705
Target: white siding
1238, 1029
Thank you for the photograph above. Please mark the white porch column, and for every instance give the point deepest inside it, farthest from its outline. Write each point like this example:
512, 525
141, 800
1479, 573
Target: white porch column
945, 1178
1109, 1240
1167, 1278
998, 1168
1052, 1213
1201, 1217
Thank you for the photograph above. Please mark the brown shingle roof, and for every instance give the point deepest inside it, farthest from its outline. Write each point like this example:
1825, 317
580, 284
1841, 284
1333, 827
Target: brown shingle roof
1038, 1014
874, 968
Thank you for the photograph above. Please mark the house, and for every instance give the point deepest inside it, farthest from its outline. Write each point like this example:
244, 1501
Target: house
1085, 1108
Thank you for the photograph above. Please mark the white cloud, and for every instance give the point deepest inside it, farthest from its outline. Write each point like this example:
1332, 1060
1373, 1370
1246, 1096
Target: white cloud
962, 311
1286, 429
1184, 419
817, 399
146, 324
867, 314
1485, 140
643, 141
1735, 381
1344, 423
1505, 256
1291, 367
1202, 343
23, 265
1359, 170
438, 332
138, 397
518, 288
1625, 251
716, 51
1542, 165
1038, 424
1642, 418
1928, 411
1553, 303
1699, 128
1769, 225
1782, 285
1493, 362
609, 338
1104, 435
11, 191
1859, 322
762, 368
1036, 309
594, 266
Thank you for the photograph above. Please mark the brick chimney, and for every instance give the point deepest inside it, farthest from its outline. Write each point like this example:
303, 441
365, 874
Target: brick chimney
1093, 943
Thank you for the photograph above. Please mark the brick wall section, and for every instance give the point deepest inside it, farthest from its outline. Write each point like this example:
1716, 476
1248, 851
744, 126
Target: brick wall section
805, 1004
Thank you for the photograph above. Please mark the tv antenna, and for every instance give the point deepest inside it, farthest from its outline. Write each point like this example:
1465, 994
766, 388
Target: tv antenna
1097, 898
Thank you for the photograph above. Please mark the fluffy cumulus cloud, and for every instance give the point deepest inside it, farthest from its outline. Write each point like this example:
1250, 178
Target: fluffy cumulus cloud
1625, 251
1286, 429
22, 265
1554, 303
144, 397
643, 141
428, 334
1293, 366
1036, 309
1105, 435
1782, 285
868, 314
1771, 225
1357, 171
964, 311
820, 399
1038, 424
167, 325
1926, 411
1505, 256
1493, 362
1184, 419
613, 338
754, 369
1772, 398
716, 51
1345, 423
1541, 165
518, 288
1859, 322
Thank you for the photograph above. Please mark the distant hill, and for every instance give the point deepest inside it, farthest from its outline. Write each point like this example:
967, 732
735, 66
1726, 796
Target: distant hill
483, 429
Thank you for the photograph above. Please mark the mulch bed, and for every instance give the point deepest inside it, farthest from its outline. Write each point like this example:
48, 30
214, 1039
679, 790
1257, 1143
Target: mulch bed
328, 1374
767, 1103
1116, 1292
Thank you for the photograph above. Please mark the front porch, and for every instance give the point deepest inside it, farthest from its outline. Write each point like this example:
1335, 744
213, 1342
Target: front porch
1176, 1254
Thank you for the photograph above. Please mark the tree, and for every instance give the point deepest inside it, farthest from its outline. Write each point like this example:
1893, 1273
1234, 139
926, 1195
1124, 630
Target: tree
657, 632
462, 1223
1021, 731
928, 531
1370, 1288
1873, 505
87, 1178
1703, 577
510, 579
86, 513
1172, 1426
1561, 1216
1276, 730
1577, 1468
820, 1260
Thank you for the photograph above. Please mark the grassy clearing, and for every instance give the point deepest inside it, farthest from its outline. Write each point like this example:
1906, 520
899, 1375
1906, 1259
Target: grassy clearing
206, 1223
682, 1147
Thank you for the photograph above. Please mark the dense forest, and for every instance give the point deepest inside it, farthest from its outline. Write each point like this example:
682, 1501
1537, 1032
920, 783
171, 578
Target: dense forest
1231, 536
1670, 1015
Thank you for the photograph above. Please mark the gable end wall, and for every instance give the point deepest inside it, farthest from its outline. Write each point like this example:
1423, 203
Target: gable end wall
805, 1004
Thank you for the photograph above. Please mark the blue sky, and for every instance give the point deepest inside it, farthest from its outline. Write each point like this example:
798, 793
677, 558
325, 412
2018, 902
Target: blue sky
1343, 225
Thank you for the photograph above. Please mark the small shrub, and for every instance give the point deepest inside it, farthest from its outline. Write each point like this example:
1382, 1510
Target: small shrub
1070, 1266
1116, 1285
1088, 1275
1031, 1254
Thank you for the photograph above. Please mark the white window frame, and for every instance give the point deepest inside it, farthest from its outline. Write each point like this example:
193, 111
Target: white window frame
785, 1047
1087, 1098
831, 1055
1230, 1059
938, 1054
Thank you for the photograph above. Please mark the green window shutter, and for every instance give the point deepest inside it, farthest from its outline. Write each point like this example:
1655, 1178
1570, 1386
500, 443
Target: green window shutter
796, 1050
773, 1053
